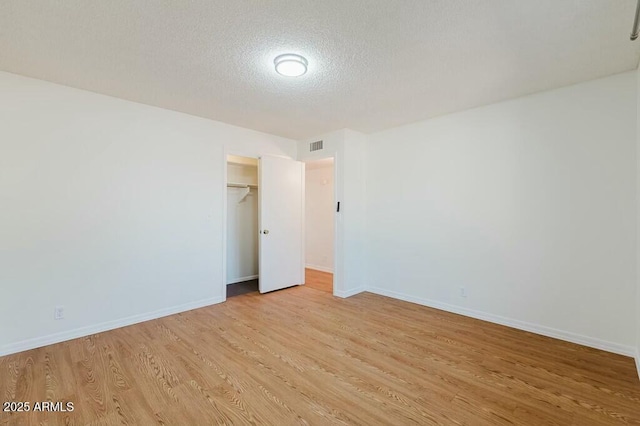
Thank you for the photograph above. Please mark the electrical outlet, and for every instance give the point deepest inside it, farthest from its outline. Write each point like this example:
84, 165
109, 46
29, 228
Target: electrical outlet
58, 312
463, 292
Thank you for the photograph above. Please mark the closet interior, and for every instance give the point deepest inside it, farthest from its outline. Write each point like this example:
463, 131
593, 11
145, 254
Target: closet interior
242, 225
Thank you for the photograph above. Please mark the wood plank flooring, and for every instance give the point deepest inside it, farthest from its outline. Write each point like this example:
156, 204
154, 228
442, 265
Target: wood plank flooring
319, 280
302, 356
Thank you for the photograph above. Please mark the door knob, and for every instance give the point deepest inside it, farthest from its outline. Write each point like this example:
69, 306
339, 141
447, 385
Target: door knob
265, 232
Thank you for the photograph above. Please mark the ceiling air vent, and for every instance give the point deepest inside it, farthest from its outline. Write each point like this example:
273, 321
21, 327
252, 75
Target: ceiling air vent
315, 146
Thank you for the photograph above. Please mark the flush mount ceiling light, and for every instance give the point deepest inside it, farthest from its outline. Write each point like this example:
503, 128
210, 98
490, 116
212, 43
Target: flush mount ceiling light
290, 65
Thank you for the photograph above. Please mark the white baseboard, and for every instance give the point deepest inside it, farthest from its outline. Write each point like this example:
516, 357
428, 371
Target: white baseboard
521, 325
37, 342
243, 279
638, 361
348, 293
319, 268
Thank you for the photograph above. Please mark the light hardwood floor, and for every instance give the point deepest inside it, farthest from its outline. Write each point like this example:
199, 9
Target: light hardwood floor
319, 280
301, 356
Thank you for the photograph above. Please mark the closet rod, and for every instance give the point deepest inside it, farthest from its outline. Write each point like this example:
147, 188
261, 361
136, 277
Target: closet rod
241, 185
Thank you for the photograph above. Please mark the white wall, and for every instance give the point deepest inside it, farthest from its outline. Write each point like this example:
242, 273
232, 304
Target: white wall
110, 208
243, 173
353, 208
638, 224
242, 223
528, 204
348, 149
319, 215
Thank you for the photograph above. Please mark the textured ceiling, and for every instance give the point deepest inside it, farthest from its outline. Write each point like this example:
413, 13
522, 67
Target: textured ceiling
373, 64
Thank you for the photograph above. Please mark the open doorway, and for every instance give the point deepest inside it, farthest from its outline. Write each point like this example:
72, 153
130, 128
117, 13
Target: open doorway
319, 222
242, 226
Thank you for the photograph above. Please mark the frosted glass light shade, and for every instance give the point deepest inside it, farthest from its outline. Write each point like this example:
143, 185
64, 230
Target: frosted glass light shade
290, 65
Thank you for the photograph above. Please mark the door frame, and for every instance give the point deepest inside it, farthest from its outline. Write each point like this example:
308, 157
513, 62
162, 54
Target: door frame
337, 242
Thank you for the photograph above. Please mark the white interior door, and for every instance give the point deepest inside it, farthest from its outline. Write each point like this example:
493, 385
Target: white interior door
281, 222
